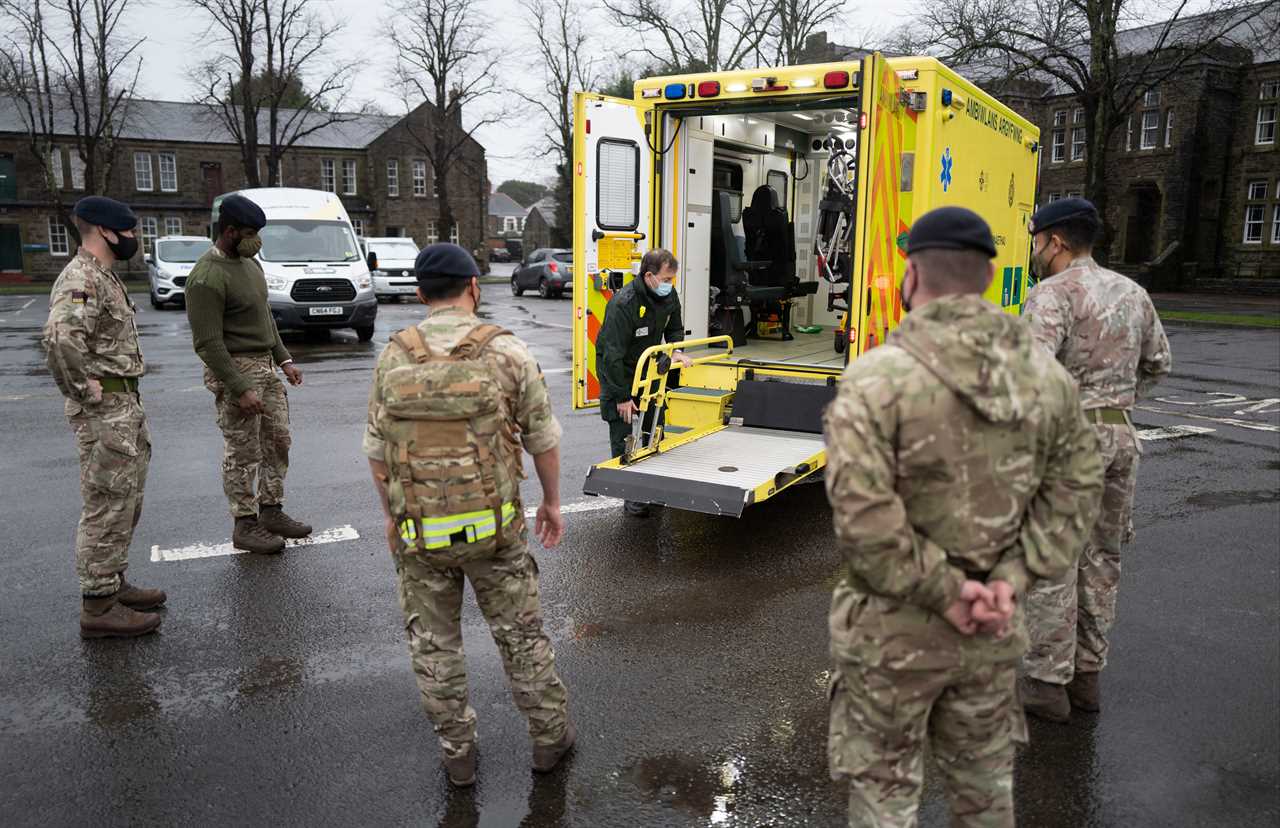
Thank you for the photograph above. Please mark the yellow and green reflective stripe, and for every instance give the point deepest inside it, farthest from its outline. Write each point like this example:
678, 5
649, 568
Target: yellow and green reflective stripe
437, 533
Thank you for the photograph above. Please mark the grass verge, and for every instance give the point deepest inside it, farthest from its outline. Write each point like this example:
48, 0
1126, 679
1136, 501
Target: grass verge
1241, 319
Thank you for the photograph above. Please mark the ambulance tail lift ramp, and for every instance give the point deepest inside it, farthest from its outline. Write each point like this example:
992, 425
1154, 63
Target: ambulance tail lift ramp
844, 157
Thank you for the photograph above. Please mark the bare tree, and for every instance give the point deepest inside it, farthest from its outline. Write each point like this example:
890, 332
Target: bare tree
565, 55
705, 36
442, 60
72, 75
264, 87
790, 25
1082, 46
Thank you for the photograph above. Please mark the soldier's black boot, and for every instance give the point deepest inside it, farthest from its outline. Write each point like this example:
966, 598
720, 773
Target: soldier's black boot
274, 520
1084, 693
251, 536
104, 616
462, 769
1045, 700
546, 757
140, 598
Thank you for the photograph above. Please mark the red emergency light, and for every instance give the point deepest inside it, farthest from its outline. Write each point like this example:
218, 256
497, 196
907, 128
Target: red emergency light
835, 80
708, 89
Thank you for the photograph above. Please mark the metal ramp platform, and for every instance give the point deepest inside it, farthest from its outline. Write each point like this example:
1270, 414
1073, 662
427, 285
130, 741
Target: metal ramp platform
719, 474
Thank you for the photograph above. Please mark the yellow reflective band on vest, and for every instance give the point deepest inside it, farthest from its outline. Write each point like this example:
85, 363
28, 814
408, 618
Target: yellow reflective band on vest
437, 533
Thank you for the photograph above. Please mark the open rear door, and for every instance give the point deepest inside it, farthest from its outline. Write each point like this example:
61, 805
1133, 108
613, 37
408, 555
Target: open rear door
612, 205
886, 138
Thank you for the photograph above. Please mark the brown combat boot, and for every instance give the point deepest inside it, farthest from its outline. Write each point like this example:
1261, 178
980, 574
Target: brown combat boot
274, 520
1084, 693
250, 536
1045, 700
105, 617
140, 598
546, 757
462, 769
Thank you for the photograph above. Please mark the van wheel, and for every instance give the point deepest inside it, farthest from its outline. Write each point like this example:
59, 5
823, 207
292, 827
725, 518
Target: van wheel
543, 290
364, 333
841, 341
156, 303
516, 290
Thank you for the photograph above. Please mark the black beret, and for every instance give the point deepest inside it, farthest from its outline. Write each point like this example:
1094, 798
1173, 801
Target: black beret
1063, 210
105, 212
444, 261
238, 211
951, 228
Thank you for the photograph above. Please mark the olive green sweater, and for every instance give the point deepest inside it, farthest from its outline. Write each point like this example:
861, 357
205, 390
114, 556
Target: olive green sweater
229, 315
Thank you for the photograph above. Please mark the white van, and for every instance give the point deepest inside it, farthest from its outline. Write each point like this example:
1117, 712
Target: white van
316, 276
392, 266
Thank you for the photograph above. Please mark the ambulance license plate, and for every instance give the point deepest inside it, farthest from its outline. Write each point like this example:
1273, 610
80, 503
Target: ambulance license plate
332, 310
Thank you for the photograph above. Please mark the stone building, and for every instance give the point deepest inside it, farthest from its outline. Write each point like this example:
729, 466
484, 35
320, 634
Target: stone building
174, 158
1193, 172
540, 220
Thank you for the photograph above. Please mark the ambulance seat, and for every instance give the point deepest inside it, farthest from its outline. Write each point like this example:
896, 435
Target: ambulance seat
733, 274
770, 237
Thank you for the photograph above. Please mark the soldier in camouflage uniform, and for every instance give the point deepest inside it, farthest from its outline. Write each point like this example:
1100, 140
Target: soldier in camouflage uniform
93, 354
1104, 330
960, 469
506, 581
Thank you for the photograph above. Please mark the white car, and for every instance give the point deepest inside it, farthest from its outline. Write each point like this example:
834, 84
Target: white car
169, 266
392, 266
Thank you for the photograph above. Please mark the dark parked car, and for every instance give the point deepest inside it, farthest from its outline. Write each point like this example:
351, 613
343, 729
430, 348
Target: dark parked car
547, 270
499, 254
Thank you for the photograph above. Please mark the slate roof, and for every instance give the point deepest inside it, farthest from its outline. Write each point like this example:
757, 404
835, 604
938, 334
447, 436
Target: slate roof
184, 122
502, 205
547, 208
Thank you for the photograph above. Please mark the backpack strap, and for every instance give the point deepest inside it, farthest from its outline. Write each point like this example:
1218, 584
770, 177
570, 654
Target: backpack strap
411, 340
474, 343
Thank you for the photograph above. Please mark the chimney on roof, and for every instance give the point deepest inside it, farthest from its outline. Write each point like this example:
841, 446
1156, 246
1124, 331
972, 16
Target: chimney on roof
455, 106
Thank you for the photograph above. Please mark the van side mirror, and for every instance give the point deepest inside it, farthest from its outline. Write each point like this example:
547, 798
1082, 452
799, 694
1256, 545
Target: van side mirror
372, 261
147, 258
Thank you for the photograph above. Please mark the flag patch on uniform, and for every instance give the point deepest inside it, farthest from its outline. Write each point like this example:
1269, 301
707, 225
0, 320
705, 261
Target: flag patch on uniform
79, 296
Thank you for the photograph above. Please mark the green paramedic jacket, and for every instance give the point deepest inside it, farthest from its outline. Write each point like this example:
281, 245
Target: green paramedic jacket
634, 321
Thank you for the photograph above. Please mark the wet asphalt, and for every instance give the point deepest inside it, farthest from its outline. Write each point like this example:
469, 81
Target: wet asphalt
279, 691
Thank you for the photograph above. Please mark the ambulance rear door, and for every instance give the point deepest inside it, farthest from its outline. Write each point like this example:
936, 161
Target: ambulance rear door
886, 144
612, 209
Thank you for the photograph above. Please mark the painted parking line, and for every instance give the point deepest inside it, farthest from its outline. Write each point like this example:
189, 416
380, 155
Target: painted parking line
201, 550
1231, 421
1172, 432
594, 504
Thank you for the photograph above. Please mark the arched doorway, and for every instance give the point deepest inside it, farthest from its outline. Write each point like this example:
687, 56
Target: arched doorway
1142, 226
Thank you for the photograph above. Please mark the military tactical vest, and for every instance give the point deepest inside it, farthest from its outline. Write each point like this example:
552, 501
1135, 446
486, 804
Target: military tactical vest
452, 456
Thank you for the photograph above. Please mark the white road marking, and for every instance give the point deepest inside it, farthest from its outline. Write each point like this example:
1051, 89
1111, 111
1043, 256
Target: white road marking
1232, 421
594, 504
200, 550
1171, 432
556, 370
30, 302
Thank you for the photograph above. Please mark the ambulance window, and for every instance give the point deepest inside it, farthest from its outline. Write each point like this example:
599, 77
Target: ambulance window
617, 184
777, 179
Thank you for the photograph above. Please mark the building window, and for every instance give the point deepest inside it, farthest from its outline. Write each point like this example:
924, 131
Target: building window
150, 229
393, 178
357, 224
348, 176
510, 224
77, 171
142, 171
59, 240
1266, 130
1151, 97
1150, 129
419, 179
433, 232
453, 234
55, 167
168, 172
328, 182
1054, 197
1073, 195
1275, 225
1255, 212
1168, 128
1077, 143
172, 226
1128, 134
1269, 89
1059, 141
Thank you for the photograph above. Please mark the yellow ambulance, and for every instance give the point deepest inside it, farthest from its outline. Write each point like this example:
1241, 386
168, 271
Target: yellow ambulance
787, 195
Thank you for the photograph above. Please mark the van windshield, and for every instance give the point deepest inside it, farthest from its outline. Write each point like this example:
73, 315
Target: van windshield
183, 252
303, 240
395, 250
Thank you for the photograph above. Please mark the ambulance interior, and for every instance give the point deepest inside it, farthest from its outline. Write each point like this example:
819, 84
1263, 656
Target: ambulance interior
749, 195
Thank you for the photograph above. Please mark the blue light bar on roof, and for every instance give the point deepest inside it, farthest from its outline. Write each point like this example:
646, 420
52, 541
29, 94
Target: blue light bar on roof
675, 91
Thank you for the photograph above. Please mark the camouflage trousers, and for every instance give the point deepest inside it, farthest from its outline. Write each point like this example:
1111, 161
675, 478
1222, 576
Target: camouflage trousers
1068, 620
115, 449
506, 588
881, 720
255, 446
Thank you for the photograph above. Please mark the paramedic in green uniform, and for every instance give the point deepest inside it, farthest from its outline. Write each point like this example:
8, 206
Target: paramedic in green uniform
644, 313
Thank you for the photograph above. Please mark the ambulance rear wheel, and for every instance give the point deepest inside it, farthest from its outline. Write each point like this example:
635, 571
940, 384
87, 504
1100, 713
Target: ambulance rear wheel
840, 342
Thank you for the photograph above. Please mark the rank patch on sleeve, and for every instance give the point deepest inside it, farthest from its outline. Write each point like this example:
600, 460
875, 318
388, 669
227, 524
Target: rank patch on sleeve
79, 296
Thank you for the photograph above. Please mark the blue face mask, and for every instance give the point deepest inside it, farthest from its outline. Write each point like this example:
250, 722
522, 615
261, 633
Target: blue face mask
663, 289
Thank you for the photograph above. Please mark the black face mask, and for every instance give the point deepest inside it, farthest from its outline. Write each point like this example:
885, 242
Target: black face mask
902, 294
122, 248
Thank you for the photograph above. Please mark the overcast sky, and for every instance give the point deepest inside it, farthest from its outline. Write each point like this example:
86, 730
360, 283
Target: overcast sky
173, 33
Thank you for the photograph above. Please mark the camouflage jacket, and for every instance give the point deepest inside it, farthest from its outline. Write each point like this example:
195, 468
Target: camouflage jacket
955, 450
523, 386
1102, 327
90, 332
